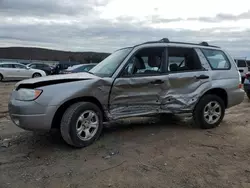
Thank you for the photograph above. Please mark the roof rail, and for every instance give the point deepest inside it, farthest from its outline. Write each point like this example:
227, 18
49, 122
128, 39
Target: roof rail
166, 40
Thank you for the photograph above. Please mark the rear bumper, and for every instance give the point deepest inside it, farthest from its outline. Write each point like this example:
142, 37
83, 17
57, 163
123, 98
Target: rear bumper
235, 97
30, 115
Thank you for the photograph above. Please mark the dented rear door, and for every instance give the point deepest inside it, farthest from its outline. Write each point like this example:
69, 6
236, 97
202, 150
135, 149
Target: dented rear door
184, 91
186, 87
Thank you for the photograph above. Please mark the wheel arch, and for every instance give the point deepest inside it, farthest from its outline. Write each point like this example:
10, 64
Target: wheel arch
222, 93
1, 75
60, 111
36, 73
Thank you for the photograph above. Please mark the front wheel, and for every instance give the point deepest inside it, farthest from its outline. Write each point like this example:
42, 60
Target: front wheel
36, 75
248, 95
81, 124
209, 112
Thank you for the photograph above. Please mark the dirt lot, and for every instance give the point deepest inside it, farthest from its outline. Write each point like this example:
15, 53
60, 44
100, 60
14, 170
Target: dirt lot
131, 154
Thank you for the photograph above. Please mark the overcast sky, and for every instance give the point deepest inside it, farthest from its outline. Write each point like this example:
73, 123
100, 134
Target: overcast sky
105, 25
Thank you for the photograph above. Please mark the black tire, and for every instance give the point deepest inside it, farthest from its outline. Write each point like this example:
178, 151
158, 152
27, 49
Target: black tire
35, 75
198, 113
69, 120
248, 95
1, 77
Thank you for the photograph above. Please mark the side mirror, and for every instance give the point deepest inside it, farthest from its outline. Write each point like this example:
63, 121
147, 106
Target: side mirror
27, 68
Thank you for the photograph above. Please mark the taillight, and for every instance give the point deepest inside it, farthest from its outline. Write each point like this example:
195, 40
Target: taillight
247, 76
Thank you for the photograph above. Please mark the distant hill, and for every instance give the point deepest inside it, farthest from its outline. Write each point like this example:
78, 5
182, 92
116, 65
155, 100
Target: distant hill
50, 55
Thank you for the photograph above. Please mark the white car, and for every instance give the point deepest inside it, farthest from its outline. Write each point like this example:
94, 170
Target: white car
243, 67
73, 67
18, 71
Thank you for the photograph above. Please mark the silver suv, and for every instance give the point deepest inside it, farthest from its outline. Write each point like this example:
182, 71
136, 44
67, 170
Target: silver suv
152, 78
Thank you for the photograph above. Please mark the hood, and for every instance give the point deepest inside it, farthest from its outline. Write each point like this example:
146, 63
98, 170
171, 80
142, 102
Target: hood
56, 79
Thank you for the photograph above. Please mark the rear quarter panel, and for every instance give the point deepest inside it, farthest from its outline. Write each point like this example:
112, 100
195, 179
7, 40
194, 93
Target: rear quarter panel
228, 80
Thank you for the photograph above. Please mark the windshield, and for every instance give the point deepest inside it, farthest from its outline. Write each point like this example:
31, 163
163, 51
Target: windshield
108, 66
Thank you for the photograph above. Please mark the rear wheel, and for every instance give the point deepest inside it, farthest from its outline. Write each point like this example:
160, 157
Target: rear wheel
35, 75
81, 124
209, 112
1, 77
248, 95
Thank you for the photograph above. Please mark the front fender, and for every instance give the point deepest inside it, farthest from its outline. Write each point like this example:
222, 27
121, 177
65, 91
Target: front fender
57, 94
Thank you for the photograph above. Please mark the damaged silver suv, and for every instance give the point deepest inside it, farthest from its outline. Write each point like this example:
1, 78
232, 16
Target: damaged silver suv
152, 78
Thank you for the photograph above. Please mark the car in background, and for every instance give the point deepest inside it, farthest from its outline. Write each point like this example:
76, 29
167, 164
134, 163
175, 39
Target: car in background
248, 64
246, 84
79, 68
73, 67
41, 66
62, 65
18, 71
24, 63
243, 67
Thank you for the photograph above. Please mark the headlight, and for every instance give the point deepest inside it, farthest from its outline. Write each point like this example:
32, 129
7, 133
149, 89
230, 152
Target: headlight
28, 94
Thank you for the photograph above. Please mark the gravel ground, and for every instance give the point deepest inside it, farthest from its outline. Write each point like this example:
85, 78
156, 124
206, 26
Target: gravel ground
129, 154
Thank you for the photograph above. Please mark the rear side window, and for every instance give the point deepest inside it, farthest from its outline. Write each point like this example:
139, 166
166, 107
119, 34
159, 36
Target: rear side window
217, 59
19, 66
241, 63
40, 66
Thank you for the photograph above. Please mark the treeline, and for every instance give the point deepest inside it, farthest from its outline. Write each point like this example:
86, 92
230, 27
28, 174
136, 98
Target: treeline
50, 55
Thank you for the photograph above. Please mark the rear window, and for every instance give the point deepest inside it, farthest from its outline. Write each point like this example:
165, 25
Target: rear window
241, 63
217, 59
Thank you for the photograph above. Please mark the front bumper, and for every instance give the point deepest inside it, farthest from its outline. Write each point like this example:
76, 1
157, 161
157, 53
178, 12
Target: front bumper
30, 115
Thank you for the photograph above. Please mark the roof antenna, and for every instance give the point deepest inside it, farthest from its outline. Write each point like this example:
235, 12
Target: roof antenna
204, 43
165, 40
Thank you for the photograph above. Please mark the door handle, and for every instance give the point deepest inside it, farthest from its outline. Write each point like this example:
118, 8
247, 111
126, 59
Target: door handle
202, 77
157, 82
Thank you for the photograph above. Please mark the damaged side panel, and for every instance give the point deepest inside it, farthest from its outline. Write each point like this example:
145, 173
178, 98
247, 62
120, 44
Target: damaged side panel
138, 96
179, 92
185, 91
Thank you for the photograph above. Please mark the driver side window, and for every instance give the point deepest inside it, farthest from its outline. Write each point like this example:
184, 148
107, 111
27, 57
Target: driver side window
147, 61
